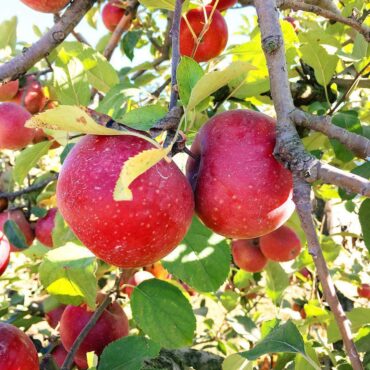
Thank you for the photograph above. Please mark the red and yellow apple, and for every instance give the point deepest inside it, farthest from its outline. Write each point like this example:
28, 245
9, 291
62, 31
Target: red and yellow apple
112, 14
247, 255
46, 6
9, 90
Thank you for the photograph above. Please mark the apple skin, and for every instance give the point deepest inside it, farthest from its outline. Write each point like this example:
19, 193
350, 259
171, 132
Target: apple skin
46, 6
364, 291
281, 245
44, 228
4, 253
135, 280
17, 350
53, 317
214, 40
59, 354
241, 190
222, 4
247, 255
126, 234
13, 134
9, 90
19, 218
112, 325
112, 14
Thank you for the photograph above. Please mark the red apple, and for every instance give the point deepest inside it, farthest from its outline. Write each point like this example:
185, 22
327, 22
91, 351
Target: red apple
4, 253
241, 190
222, 4
59, 354
13, 134
53, 317
17, 351
214, 39
44, 228
19, 218
305, 272
46, 6
9, 90
112, 325
112, 14
364, 291
281, 245
135, 280
127, 234
247, 255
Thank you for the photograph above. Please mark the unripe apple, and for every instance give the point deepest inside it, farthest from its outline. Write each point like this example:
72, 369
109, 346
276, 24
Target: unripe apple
112, 14
44, 228
4, 253
17, 351
19, 218
241, 190
53, 317
247, 255
281, 245
13, 134
214, 39
364, 291
222, 4
46, 6
135, 280
112, 325
9, 90
127, 234
157, 270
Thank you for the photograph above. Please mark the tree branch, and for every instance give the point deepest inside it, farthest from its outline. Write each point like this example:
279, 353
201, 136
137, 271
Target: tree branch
42, 48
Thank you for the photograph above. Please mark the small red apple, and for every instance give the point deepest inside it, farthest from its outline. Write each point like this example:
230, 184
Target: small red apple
53, 317
44, 228
222, 4
9, 90
127, 234
4, 253
112, 14
46, 6
247, 255
364, 291
13, 134
214, 39
241, 190
112, 325
135, 280
17, 352
281, 245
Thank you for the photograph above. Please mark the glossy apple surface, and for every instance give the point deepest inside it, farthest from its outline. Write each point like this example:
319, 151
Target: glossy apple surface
53, 317
44, 228
241, 190
135, 280
59, 354
112, 14
214, 39
247, 255
46, 6
4, 253
222, 4
9, 90
132, 233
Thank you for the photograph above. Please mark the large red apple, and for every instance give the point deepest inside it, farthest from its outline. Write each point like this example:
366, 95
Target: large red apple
247, 255
9, 90
17, 351
59, 354
241, 190
44, 228
135, 280
123, 233
46, 6
364, 291
222, 4
13, 134
112, 325
214, 39
19, 218
4, 253
281, 245
53, 317
112, 14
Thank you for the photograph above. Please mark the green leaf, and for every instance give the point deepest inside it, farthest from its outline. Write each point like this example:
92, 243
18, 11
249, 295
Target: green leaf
69, 274
28, 159
162, 4
236, 362
277, 280
301, 361
129, 42
128, 353
229, 299
14, 234
8, 33
62, 233
189, 72
156, 305
202, 259
364, 217
143, 118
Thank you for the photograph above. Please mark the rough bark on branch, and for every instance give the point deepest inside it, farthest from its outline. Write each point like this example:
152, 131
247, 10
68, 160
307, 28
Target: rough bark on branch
41, 49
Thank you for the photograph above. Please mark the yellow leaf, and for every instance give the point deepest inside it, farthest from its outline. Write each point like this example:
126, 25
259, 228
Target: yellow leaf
212, 81
134, 167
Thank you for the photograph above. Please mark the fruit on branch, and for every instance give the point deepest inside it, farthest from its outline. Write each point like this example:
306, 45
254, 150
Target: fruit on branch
17, 351
46, 6
247, 255
298, 307
53, 317
135, 280
4, 253
241, 190
212, 38
13, 134
19, 218
305, 272
112, 14
364, 291
157, 270
9, 90
222, 4
123, 233
59, 354
281, 245
112, 325
44, 228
